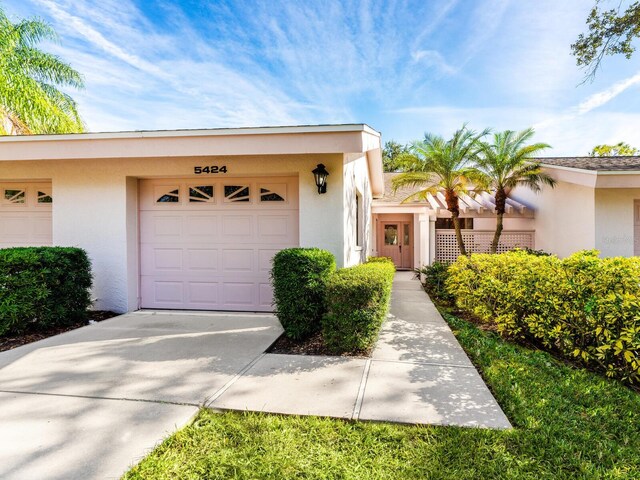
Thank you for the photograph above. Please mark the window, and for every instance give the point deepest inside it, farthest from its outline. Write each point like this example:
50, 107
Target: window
44, 197
168, 195
202, 194
391, 234
236, 193
447, 223
15, 196
406, 237
273, 193
359, 220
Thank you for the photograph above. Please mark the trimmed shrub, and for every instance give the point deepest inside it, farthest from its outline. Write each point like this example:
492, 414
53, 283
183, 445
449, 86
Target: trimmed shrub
379, 260
357, 304
583, 307
43, 287
299, 277
435, 277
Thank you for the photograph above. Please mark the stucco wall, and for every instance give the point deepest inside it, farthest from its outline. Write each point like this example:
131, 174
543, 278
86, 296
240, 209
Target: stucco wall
356, 179
614, 220
95, 207
564, 218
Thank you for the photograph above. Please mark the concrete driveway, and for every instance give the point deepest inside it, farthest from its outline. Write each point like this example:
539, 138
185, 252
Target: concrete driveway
91, 402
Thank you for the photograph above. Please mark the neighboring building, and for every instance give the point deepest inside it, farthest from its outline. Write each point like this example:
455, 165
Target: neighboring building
191, 219
416, 233
595, 204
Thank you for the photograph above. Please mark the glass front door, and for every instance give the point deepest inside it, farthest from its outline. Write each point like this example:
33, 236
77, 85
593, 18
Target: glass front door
397, 243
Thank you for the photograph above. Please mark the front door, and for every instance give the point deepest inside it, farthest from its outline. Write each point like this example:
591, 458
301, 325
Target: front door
395, 242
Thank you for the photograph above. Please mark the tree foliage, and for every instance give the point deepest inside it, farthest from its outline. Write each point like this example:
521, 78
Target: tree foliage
31, 100
396, 156
507, 162
447, 165
611, 32
620, 149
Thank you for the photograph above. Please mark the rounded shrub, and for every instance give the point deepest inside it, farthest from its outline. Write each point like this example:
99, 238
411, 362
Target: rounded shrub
43, 287
299, 277
357, 304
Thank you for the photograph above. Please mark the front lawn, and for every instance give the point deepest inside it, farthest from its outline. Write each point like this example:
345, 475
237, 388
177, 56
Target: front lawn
569, 423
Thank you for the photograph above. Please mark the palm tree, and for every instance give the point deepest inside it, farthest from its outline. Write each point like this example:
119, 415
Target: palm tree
508, 162
447, 166
30, 98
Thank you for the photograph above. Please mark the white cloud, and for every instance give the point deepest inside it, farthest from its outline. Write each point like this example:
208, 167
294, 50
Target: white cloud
601, 98
433, 58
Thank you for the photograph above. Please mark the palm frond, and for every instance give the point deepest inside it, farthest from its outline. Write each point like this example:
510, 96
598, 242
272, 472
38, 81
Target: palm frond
506, 161
45, 67
30, 98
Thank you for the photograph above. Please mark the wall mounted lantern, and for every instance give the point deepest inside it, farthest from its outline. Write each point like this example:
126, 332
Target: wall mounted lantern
320, 174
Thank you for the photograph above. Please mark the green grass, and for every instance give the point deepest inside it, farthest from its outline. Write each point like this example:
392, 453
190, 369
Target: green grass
569, 423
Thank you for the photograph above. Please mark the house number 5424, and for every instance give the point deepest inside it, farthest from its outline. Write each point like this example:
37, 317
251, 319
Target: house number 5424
210, 169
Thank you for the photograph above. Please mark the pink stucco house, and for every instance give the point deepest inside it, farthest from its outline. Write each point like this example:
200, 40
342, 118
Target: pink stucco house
190, 219
594, 205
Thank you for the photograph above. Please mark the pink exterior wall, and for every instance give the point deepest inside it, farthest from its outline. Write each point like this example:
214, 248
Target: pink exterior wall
614, 235
565, 217
95, 207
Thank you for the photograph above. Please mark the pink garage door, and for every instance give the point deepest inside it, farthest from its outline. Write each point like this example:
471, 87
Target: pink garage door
207, 244
25, 214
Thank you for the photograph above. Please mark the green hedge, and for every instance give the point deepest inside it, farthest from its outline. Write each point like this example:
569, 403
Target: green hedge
42, 287
299, 276
434, 278
379, 260
583, 307
357, 304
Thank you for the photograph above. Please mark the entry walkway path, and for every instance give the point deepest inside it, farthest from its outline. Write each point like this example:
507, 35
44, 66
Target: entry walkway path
418, 373
91, 402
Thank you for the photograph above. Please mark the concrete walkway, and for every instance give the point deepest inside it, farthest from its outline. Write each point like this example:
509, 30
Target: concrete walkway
418, 373
91, 402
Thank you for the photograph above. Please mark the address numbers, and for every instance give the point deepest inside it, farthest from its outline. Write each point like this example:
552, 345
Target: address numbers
210, 169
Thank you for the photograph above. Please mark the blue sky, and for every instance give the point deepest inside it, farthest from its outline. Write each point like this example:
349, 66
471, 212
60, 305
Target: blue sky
403, 67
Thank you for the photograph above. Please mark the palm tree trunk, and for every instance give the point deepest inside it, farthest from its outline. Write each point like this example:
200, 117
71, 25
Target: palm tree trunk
501, 208
452, 205
496, 236
456, 225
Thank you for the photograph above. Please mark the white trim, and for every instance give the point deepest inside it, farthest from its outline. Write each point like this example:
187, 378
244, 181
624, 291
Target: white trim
592, 172
213, 132
618, 172
569, 169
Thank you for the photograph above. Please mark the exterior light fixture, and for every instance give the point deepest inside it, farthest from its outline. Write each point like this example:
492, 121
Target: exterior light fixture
320, 174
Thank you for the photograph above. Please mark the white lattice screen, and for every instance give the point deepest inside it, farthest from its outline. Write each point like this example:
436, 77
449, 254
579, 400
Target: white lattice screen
479, 241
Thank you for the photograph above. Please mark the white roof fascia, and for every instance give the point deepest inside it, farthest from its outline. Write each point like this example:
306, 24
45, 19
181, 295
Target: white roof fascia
213, 132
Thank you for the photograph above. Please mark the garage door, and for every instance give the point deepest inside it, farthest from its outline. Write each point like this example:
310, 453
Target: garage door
25, 214
208, 244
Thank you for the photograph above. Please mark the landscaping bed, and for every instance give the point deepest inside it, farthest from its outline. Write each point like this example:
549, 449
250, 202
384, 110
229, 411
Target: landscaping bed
583, 308
313, 345
325, 311
10, 342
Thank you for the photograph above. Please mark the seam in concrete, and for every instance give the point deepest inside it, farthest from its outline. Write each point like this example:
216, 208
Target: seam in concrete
363, 384
92, 397
209, 400
435, 364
